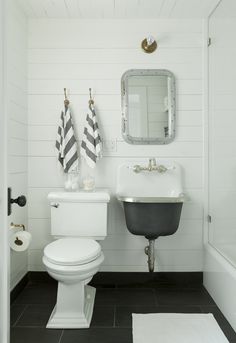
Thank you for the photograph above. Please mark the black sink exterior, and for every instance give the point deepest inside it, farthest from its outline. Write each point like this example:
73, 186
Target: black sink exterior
152, 219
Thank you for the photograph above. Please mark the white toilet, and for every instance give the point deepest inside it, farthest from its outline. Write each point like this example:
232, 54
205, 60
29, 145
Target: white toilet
78, 219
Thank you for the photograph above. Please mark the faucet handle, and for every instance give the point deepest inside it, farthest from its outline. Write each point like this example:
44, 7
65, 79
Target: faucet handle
137, 168
161, 168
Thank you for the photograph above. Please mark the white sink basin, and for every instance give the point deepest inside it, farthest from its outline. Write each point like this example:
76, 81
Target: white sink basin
150, 186
152, 198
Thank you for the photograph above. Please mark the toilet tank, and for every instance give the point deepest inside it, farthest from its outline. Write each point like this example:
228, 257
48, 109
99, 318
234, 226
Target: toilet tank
79, 214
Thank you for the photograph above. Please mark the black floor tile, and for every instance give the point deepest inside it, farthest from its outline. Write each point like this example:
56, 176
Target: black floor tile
40, 277
16, 312
161, 280
179, 309
184, 297
104, 279
115, 335
112, 316
35, 335
222, 321
123, 314
138, 297
229, 333
35, 315
103, 316
216, 312
105, 297
126, 296
38, 294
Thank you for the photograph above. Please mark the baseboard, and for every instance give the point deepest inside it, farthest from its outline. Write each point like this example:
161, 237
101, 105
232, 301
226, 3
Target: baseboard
134, 279
145, 279
40, 277
122, 279
19, 288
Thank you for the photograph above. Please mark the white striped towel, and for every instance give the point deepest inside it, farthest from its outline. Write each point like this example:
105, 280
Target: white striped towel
66, 143
91, 143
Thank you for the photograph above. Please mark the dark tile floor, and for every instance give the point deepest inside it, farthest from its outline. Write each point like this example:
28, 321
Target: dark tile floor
111, 322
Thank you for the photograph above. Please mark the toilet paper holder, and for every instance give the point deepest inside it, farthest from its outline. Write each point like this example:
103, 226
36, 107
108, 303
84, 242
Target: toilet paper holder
17, 226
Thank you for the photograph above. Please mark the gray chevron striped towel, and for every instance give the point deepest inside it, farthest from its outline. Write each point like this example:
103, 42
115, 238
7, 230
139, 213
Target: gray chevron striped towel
91, 144
66, 143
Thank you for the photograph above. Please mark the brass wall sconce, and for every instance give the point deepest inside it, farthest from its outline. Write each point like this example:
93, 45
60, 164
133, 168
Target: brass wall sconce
149, 44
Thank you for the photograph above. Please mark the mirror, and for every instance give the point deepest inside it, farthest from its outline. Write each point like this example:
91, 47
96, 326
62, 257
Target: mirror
148, 106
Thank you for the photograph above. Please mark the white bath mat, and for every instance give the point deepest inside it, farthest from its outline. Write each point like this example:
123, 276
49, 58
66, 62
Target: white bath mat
176, 328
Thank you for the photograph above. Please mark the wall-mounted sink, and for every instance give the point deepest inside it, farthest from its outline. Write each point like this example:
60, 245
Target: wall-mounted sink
152, 199
152, 217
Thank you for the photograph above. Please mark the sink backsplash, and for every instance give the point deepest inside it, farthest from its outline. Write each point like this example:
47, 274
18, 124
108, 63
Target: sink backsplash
149, 183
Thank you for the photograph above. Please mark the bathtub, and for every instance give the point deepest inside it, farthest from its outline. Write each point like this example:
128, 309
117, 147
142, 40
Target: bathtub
219, 278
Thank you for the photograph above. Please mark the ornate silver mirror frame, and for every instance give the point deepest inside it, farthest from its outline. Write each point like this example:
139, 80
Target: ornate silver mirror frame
170, 129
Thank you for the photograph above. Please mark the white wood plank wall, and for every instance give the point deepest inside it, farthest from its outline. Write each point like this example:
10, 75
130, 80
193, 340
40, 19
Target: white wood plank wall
17, 124
78, 54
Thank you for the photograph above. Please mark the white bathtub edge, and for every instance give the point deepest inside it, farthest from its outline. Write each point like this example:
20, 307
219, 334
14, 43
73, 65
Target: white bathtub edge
219, 278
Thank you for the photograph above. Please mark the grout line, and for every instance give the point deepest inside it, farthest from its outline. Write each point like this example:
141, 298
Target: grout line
61, 336
156, 298
114, 319
20, 316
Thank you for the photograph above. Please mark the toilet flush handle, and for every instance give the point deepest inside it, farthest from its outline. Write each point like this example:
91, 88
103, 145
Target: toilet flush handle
54, 204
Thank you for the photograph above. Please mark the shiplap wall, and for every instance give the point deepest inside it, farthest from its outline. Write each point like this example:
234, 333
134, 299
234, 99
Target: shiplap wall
78, 54
17, 36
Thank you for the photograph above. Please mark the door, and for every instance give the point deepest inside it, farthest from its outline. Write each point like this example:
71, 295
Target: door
4, 246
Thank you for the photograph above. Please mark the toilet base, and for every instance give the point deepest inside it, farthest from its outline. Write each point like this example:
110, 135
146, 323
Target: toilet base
74, 307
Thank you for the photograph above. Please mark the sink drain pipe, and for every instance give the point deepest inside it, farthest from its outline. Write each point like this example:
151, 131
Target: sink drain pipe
150, 252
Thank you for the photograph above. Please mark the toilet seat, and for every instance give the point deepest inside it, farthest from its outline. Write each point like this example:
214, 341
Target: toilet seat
72, 251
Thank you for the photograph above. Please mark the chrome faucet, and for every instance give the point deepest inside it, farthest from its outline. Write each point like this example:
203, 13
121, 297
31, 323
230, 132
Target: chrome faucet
152, 163
152, 166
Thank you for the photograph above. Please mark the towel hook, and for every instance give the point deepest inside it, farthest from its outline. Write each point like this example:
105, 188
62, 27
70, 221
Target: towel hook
66, 101
91, 102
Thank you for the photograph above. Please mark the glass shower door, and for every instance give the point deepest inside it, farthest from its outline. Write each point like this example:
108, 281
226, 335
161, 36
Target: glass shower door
222, 134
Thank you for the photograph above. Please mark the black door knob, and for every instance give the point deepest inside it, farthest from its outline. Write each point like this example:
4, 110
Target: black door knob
21, 201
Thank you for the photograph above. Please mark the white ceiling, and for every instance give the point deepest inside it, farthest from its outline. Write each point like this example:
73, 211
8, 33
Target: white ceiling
122, 9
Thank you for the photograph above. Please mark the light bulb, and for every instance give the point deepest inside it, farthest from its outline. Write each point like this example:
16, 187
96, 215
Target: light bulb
150, 40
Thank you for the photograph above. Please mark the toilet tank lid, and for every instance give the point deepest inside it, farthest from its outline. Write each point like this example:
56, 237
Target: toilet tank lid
98, 195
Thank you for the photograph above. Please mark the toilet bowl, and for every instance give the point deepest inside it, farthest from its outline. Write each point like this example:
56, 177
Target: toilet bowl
73, 262
75, 256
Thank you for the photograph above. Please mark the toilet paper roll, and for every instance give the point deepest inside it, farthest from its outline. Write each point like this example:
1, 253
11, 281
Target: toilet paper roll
20, 241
